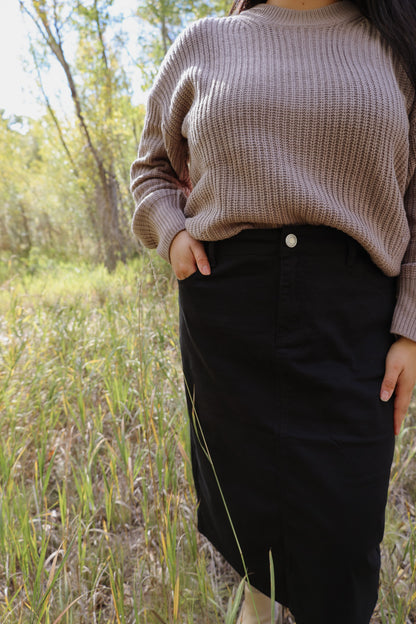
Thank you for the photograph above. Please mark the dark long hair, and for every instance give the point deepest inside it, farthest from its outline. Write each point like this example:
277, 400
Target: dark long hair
395, 20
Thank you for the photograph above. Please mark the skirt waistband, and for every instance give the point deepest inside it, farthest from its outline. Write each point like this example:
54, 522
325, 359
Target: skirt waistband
286, 240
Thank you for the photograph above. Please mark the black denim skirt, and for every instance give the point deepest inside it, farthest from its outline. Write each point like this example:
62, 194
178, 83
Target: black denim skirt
283, 350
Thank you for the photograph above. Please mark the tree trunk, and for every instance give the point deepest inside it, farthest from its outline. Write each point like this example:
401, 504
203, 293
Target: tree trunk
112, 238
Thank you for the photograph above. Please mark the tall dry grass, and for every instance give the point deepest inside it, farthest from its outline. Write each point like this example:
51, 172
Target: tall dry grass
97, 506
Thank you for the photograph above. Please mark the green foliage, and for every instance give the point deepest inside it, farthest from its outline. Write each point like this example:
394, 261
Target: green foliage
166, 19
43, 206
64, 178
98, 144
98, 508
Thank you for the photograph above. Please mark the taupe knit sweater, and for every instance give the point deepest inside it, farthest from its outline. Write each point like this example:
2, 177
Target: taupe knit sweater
280, 116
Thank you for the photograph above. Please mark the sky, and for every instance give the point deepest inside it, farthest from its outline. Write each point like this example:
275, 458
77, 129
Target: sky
19, 94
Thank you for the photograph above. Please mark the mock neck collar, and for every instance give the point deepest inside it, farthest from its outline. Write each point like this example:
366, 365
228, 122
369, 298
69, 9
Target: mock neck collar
340, 11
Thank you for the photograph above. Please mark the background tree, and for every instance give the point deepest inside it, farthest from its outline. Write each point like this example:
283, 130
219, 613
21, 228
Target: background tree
99, 91
64, 181
16, 156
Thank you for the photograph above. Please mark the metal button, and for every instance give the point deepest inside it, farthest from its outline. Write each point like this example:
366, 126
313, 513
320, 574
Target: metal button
291, 240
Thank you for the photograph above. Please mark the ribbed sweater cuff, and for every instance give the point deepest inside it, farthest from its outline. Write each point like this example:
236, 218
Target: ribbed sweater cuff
404, 317
168, 232
158, 219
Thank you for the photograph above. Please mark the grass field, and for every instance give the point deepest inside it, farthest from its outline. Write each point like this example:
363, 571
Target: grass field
97, 506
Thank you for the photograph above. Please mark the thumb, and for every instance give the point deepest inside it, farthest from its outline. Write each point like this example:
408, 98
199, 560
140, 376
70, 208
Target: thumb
389, 381
201, 257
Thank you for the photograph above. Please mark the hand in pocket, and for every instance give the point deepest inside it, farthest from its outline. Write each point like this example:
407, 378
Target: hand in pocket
186, 255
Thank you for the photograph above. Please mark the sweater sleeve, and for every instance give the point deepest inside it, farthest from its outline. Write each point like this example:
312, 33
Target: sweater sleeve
404, 317
159, 176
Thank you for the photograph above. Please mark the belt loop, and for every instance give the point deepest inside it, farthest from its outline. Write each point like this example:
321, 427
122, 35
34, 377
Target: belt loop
351, 251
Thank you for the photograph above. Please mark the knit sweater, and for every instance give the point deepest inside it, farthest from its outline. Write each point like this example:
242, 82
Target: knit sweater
280, 116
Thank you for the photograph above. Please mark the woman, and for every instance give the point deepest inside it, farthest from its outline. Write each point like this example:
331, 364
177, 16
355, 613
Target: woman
276, 173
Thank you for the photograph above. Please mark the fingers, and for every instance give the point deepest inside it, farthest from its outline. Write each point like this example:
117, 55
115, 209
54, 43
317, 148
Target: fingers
402, 400
391, 375
201, 258
186, 255
400, 378
395, 379
389, 384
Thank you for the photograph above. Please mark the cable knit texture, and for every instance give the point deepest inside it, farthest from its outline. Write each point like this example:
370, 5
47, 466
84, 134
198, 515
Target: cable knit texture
281, 116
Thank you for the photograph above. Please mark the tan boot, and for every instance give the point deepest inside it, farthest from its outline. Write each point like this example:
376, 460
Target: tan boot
254, 600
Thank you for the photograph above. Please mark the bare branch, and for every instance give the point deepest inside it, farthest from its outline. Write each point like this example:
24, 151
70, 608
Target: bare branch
100, 34
24, 9
57, 49
56, 23
52, 114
